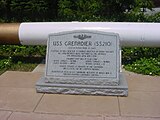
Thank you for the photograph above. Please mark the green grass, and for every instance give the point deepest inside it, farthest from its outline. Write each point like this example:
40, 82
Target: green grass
2, 71
19, 63
23, 67
27, 67
150, 66
142, 60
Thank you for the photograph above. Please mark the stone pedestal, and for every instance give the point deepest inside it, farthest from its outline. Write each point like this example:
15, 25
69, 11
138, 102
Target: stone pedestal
83, 62
119, 90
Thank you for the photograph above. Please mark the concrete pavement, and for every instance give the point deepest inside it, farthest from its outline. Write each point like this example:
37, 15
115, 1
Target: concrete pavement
19, 100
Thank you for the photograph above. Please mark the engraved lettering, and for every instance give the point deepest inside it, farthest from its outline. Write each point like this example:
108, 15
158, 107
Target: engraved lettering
78, 43
84, 58
57, 43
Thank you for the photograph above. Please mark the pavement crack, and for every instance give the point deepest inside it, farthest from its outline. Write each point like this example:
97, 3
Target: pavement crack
38, 103
9, 116
119, 107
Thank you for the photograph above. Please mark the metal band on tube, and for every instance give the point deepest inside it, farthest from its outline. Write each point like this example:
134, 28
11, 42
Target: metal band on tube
9, 33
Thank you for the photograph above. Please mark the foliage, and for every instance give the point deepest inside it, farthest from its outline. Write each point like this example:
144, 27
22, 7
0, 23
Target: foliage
14, 57
102, 10
5, 63
136, 14
30, 10
22, 50
149, 66
80, 10
153, 18
142, 60
73, 10
132, 54
114, 10
94, 10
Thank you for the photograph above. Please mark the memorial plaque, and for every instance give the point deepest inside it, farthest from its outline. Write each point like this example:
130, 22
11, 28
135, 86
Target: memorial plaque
83, 62
83, 57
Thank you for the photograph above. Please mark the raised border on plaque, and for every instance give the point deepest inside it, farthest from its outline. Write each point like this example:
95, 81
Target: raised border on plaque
103, 46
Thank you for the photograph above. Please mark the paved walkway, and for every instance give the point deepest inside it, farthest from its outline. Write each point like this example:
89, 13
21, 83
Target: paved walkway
19, 100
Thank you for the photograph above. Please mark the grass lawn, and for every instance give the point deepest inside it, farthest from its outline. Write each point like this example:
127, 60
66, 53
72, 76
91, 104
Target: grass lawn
28, 67
19, 64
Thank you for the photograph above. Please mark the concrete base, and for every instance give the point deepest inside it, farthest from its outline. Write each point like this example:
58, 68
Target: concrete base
120, 90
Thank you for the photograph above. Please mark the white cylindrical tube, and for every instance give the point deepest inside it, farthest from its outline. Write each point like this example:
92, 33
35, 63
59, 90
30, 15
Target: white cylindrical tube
131, 34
